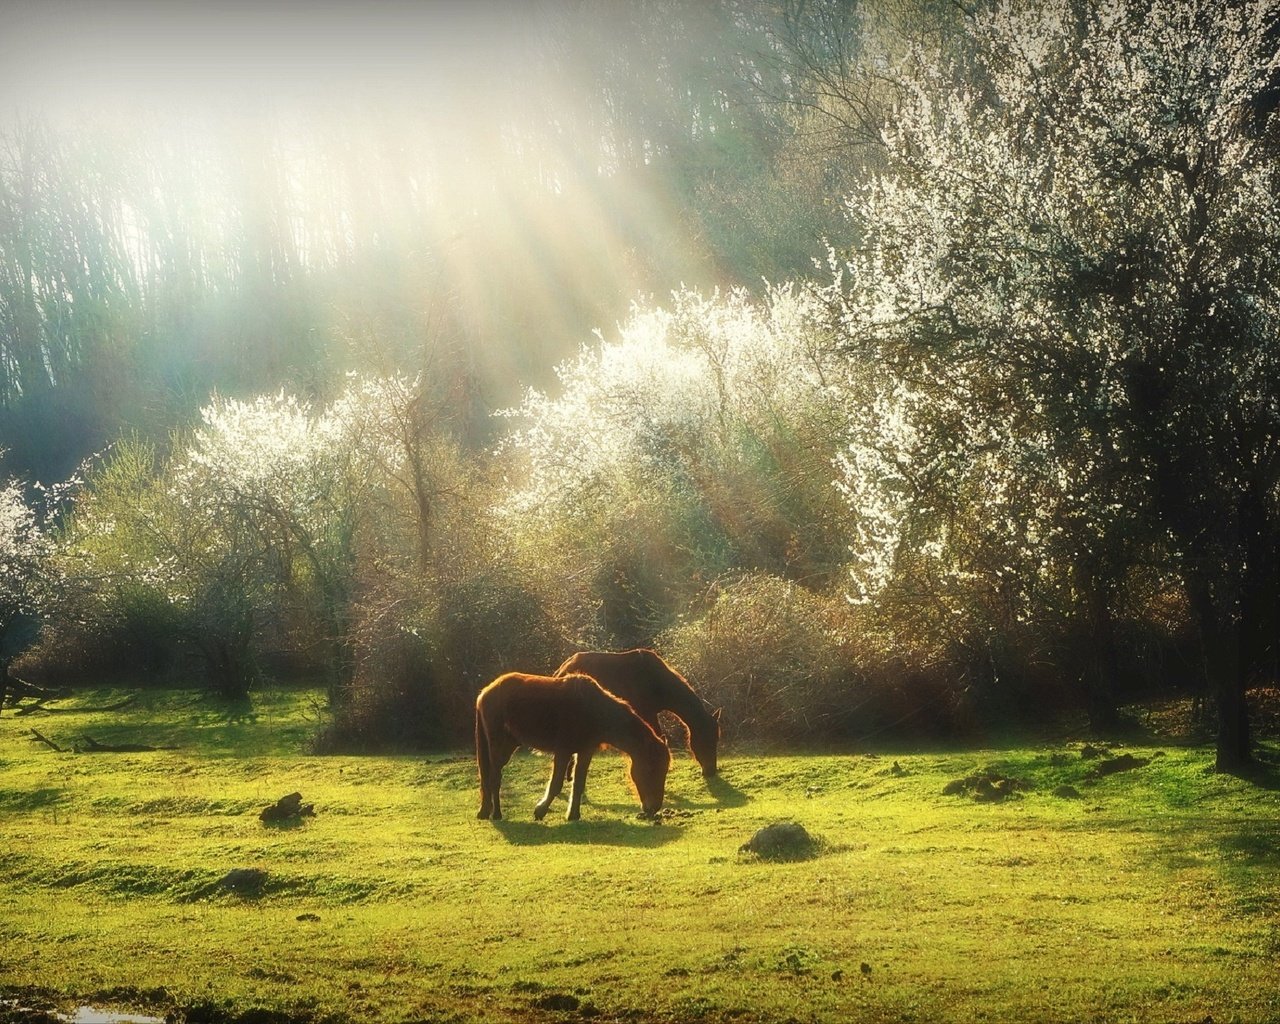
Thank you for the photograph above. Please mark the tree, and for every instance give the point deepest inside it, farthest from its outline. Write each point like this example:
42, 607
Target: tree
697, 442
1069, 273
24, 567
243, 540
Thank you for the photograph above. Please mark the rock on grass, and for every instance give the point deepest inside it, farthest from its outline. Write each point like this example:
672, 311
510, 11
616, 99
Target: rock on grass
244, 881
783, 840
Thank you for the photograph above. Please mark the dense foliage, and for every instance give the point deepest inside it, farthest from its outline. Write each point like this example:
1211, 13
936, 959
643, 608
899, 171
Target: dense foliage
1070, 297
1013, 444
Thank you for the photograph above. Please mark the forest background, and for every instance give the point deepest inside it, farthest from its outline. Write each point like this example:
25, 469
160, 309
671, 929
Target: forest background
896, 369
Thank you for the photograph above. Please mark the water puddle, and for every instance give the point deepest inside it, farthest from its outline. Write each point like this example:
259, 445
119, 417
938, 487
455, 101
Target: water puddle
83, 1014
96, 1015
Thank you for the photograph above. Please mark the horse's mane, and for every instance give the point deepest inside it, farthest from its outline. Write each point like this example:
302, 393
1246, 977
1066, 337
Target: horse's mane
621, 714
682, 697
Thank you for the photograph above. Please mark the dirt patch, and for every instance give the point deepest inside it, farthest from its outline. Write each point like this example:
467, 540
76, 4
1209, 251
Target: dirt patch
14, 1012
1112, 765
562, 1002
212, 1013
287, 810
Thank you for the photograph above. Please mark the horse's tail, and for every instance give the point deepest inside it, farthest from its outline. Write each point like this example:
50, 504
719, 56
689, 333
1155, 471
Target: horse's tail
483, 761
566, 666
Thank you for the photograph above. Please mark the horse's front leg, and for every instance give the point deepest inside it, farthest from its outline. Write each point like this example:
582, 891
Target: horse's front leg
554, 785
582, 762
573, 770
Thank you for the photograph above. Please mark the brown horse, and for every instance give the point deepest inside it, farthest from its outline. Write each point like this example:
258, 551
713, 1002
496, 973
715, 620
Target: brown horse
569, 717
650, 685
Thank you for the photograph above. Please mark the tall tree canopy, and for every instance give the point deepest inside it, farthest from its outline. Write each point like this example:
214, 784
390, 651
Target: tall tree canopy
1069, 282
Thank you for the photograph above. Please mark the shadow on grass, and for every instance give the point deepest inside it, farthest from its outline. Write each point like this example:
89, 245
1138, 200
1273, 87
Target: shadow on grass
212, 709
723, 794
1263, 771
1257, 844
726, 793
611, 832
29, 799
285, 824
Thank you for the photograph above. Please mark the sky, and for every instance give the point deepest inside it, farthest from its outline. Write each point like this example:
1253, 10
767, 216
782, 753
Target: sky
379, 119
74, 55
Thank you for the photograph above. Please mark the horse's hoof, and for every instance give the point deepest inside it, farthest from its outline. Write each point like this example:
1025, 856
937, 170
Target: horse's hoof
539, 813
482, 815
496, 816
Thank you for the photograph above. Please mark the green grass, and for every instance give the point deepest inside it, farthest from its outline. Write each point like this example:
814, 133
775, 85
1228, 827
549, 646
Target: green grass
1153, 896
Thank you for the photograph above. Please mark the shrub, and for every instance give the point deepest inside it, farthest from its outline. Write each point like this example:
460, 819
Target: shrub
772, 655
790, 665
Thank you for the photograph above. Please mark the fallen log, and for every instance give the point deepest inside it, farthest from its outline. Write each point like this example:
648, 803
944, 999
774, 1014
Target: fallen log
21, 688
38, 706
92, 746
47, 742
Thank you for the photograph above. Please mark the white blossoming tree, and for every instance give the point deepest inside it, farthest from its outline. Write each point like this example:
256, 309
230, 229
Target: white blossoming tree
248, 531
696, 441
1068, 278
24, 569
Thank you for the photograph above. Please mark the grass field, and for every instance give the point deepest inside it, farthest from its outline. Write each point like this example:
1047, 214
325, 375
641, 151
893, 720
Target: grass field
1152, 895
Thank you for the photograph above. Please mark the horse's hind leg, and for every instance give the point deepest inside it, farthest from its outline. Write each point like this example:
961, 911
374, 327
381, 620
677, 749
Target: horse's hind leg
484, 765
501, 747
581, 764
554, 785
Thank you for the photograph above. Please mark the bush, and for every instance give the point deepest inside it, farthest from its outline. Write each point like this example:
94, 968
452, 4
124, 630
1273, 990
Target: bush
422, 659
794, 666
771, 655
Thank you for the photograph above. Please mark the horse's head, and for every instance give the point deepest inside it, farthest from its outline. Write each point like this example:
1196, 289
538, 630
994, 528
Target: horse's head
649, 776
704, 742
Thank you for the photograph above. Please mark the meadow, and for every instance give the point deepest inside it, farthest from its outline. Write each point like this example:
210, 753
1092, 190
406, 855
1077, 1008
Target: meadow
1150, 894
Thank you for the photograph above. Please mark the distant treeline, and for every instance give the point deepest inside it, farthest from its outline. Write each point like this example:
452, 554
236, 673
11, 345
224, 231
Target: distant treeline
1009, 446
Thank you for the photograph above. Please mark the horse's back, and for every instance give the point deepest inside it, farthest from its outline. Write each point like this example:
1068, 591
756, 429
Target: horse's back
548, 713
639, 676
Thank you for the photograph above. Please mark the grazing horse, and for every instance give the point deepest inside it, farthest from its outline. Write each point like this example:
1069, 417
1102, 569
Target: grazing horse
570, 717
650, 685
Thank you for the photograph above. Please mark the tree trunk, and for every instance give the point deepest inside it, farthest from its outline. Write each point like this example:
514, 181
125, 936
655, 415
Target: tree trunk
1093, 649
1259, 595
1217, 612
1233, 747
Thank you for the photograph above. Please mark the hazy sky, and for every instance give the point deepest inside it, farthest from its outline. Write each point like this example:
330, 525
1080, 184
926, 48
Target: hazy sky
80, 53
